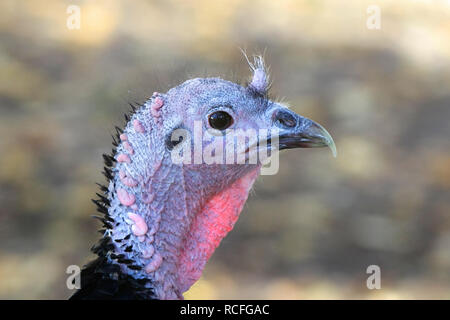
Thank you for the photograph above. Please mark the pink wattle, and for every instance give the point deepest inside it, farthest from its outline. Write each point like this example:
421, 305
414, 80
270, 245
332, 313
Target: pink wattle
209, 227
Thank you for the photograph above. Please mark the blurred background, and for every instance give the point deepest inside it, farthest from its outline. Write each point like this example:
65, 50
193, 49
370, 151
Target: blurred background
308, 232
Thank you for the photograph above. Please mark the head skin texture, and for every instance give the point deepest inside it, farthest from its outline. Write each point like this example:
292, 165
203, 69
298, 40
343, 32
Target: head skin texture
169, 218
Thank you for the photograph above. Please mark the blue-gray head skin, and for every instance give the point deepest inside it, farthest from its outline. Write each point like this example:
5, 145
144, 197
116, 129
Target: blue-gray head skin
166, 219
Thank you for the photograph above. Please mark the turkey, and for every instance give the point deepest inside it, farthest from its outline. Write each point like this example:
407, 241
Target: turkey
163, 218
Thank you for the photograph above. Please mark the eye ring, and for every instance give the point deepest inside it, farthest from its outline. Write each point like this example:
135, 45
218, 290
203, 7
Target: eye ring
220, 120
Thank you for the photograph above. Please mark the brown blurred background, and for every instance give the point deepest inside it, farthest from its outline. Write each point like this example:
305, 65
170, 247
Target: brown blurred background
308, 232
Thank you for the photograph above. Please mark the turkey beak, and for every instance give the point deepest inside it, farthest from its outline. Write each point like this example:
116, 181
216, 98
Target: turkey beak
299, 132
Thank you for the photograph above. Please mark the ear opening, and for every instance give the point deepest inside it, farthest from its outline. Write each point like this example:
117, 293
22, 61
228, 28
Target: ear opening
259, 83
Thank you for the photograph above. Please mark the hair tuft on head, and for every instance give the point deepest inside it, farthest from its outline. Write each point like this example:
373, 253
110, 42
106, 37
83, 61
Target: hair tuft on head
260, 80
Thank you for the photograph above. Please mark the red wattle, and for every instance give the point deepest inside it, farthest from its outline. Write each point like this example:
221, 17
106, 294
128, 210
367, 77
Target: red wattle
209, 227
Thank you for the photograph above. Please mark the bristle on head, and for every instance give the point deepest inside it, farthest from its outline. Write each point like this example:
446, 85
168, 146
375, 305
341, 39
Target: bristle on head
260, 78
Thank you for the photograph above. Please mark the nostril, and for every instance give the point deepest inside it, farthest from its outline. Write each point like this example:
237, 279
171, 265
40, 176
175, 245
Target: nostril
284, 119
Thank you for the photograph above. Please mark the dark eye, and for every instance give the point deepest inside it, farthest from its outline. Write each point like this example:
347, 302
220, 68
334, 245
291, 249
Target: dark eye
220, 120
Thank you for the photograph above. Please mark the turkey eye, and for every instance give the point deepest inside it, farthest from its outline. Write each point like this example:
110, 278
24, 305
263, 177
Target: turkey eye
220, 120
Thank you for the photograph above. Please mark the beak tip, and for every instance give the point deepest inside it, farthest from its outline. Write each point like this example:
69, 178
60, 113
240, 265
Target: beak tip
329, 140
334, 151
332, 147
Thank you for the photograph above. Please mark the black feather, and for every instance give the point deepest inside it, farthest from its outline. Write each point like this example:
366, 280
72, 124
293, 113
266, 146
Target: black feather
102, 279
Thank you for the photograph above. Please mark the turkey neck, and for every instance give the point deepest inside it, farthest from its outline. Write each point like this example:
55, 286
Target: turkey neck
167, 222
